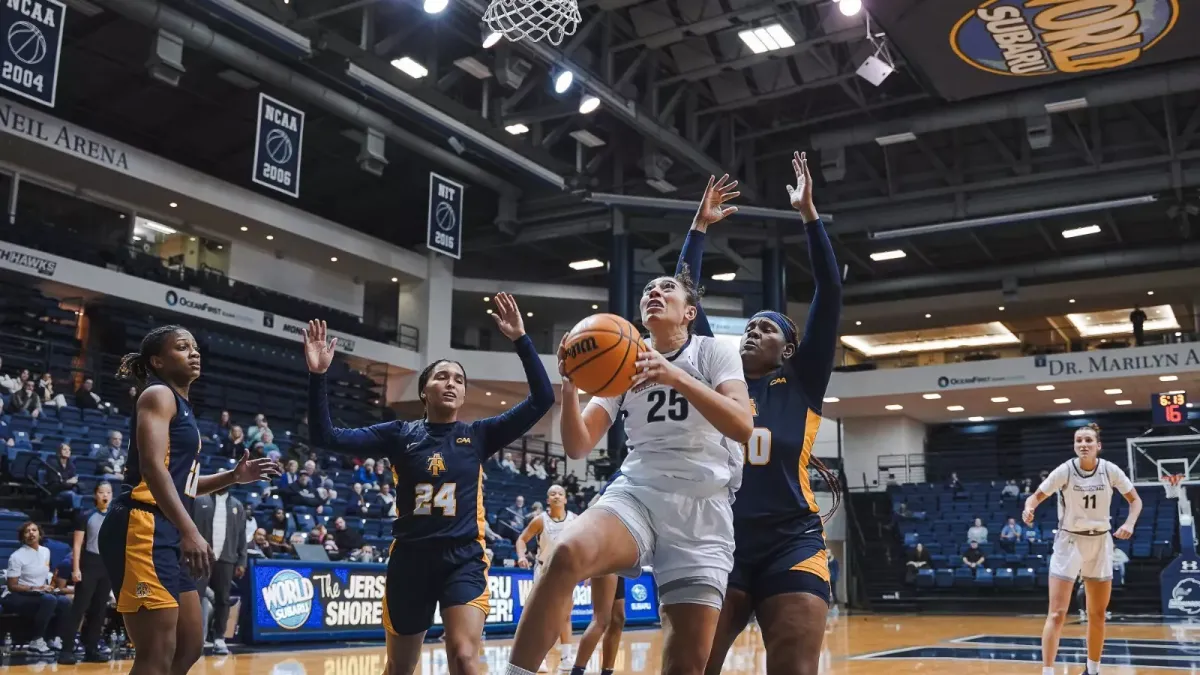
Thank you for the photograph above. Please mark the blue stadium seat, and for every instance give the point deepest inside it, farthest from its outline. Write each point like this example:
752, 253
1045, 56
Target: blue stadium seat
964, 576
1024, 578
1003, 578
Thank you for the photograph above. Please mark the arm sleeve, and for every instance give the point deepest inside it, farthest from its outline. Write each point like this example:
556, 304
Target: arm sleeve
692, 255
1056, 480
723, 363
497, 432
812, 363
1118, 479
325, 435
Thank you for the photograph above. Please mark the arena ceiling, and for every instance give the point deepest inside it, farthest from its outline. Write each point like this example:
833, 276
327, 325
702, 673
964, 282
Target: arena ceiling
681, 92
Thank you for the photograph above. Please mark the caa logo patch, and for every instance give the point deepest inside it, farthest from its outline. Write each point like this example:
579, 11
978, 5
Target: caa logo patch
1185, 597
289, 598
1026, 38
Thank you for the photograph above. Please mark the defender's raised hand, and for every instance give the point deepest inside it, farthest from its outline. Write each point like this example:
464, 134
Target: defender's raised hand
508, 316
712, 207
318, 353
801, 195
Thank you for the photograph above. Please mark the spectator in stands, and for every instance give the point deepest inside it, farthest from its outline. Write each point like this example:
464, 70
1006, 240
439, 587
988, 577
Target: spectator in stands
512, 520
354, 501
508, 464
234, 444
310, 467
269, 448
24, 400
86, 399
1026, 487
349, 540
1010, 535
327, 489
259, 546
15, 384
536, 469
571, 484
383, 472
302, 493
1138, 318
291, 471
256, 450
317, 534
8, 384
224, 425
1010, 489
977, 533
954, 485
260, 425
365, 473
278, 530
63, 480
131, 398
917, 558
45, 391
974, 557
386, 501
29, 593
113, 456
1032, 533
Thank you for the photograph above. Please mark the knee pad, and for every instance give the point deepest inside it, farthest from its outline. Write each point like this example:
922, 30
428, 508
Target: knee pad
691, 592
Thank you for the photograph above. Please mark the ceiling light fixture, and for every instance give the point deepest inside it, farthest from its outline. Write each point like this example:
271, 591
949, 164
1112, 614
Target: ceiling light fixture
1045, 387
894, 406
589, 264
850, 7
1072, 301
516, 129
954, 408
928, 316
725, 276
999, 399
173, 205
1080, 231
888, 255
245, 229
1017, 409
1149, 292
435, 6
1075, 412
975, 418
1062, 401
767, 38
270, 237
857, 323
831, 399
1001, 308
563, 81
1124, 402
1168, 378
333, 259
595, 306
491, 39
409, 67
487, 393
1112, 392
529, 314
931, 397
588, 104
395, 279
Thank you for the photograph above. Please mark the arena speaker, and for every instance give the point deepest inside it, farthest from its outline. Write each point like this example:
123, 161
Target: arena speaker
166, 58
1039, 132
510, 70
833, 165
373, 156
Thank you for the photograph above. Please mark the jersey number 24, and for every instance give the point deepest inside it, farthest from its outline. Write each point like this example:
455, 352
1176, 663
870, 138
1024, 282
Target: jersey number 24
445, 499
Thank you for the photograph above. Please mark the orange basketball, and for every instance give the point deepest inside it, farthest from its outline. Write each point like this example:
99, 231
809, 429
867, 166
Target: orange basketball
600, 354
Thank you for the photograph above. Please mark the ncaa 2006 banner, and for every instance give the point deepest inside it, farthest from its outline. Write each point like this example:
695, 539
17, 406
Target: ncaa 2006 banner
968, 48
310, 601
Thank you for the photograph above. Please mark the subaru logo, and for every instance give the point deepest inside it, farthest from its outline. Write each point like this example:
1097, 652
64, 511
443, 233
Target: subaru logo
172, 298
943, 382
638, 592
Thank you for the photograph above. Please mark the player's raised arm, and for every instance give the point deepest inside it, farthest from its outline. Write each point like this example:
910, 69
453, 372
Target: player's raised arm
711, 210
318, 355
508, 426
813, 360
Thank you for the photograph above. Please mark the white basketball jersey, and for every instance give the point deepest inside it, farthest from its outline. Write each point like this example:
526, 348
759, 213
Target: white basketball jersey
1084, 497
672, 447
551, 528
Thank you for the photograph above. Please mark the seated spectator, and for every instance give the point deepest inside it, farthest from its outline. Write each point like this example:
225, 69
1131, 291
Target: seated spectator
112, 457
354, 501
302, 493
974, 557
8, 384
1032, 533
1011, 534
571, 484
291, 471
1026, 488
269, 449
259, 546
224, 425
86, 399
45, 391
534, 512
278, 530
386, 501
365, 473
326, 488
234, 445
29, 593
902, 511
954, 484
14, 384
383, 472
1011, 490
25, 400
977, 533
537, 469
256, 430
917, 558
317, 534
508, 464
511, 522
63, 480
349, 540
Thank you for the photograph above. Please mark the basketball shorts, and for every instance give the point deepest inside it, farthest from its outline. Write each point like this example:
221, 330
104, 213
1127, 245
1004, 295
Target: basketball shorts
421, 577
143, 557
687, 540
775, 558
1089, 556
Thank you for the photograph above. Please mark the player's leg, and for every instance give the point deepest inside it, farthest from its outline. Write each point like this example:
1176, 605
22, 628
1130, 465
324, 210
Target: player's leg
610, 645
604, 591
1056, 615
688, 632
153, 632
464, 638
735, 613
189, 633
403, 653
1097, 583
465, 605
792, 602
600, 542
408, 607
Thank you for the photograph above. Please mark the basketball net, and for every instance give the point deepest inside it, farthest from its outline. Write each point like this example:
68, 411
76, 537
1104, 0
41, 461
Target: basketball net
535, 20
1172, 484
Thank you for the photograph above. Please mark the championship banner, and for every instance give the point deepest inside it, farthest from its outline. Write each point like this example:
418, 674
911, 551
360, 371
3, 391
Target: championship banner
292, 600
31, 35
968, 48
278, 142
443, 231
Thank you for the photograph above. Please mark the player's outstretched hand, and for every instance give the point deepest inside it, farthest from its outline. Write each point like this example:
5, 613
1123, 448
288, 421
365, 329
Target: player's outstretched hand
508, 316
801, 195
1027, 516
1124, 532
318, 353
712, 207
253, 470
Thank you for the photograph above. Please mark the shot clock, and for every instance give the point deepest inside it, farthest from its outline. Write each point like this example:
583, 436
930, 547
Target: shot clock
1168, 409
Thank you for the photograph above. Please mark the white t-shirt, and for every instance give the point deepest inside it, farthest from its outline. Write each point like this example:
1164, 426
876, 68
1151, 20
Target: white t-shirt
1084, 497
551, 528
672, 447
30, 567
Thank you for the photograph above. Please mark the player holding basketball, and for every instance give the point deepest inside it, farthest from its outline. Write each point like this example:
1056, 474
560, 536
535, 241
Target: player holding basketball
1083, 545
671, 505
780, 570
437, 465
547, 527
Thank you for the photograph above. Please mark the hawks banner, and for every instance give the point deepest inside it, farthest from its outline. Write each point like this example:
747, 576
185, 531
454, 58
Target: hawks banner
968, 48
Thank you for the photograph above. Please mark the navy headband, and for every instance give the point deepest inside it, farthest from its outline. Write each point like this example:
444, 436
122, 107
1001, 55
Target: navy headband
785, 325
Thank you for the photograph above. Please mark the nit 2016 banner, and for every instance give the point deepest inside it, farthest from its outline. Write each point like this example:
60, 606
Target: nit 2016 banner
304, 601
968, 48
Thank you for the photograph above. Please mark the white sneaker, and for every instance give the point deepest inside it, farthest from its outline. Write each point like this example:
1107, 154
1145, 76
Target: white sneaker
208, 644
219, 647
56, 644
39, 646
543, 668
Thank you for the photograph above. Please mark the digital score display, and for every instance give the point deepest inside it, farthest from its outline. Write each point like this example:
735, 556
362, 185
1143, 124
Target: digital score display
1168, 409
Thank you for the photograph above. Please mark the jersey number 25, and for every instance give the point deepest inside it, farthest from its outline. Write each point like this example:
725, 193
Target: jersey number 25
677, 408
758, 449
445, 499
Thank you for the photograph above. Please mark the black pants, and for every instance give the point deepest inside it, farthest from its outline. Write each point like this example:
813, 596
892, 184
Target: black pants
221, 581
91, 600
42, 608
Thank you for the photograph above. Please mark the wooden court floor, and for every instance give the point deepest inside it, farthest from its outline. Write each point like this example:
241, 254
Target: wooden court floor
858, 645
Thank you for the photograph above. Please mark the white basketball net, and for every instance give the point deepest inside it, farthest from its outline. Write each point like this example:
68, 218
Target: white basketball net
535, 20
1173, 485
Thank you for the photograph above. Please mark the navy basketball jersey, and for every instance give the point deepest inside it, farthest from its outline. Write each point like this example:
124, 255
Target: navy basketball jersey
183, 446
439, 483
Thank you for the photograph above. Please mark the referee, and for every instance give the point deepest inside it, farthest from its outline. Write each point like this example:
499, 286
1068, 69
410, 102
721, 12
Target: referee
92, 586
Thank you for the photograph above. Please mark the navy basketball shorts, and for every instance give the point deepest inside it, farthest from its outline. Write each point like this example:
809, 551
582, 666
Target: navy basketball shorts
773, 559
421, 577
142, 554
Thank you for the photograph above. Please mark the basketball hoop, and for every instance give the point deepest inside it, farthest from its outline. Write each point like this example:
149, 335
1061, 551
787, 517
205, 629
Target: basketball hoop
534, 20
1172, 483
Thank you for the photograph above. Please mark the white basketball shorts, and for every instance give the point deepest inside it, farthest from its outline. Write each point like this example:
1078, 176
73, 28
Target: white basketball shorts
1082, 555
687, 540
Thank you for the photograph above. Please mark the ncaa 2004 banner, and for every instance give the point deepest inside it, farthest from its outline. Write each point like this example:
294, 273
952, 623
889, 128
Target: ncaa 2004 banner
293, 600
968, 48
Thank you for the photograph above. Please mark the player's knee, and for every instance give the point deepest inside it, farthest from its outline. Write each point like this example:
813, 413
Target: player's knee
1056, 615
186, 656
462, 656
686, 662
158, 657
569, 559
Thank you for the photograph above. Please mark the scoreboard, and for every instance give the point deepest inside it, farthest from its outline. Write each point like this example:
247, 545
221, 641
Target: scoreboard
1169, 409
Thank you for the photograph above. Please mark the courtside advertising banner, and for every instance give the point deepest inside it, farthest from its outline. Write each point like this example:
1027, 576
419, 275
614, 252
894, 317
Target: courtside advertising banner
443, 232
278, 142
306, 601
968, 48
31, 35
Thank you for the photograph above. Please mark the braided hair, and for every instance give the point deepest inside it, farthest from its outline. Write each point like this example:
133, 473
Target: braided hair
423, 378
835, 486
136, 365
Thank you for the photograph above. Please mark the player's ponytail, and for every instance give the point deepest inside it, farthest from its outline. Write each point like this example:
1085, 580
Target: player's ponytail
835, 486
1095, 429
136, 365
